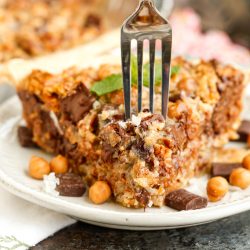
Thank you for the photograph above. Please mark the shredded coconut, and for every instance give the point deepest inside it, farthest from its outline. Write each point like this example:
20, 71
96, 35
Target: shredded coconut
136, 120
96, 105
150, 204
122, 124
55, 121
49, 184
143, 182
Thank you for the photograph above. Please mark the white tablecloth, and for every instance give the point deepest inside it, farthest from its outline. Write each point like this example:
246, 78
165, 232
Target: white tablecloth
23, 224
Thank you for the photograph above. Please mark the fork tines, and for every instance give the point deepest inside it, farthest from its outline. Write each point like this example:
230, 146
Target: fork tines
157, 29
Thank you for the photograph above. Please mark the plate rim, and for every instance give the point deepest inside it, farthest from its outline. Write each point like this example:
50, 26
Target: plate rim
174, 219
128, 218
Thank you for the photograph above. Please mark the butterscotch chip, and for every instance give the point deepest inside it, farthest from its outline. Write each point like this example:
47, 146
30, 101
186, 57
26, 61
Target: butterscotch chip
99, 192
70, 185
59, 165
246, 162
217, 187
240, 177
38, 167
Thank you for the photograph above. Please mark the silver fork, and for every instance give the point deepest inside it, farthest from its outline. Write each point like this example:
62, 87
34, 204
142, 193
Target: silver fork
146, 23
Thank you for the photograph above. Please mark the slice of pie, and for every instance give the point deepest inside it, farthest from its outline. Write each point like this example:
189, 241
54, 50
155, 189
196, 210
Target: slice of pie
80, 114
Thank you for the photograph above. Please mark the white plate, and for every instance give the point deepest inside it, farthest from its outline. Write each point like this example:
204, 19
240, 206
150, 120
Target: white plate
13, 177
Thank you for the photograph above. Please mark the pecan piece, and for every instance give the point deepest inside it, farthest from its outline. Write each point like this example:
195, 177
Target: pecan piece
150, 119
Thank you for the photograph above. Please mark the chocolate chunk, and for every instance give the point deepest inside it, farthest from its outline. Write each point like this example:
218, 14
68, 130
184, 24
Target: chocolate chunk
141, 150
107, 153
48, 125
118, 117
144, 153
224, 169
174, 98
142, 197
25, 136
64, 147
118, 129
70, 185
30, 102
244, 131
130, 129
244, 127
77, 105
179, 135
184, 200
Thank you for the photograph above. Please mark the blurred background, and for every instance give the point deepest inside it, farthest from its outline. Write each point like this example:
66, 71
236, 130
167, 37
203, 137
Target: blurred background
208, 29
229, 15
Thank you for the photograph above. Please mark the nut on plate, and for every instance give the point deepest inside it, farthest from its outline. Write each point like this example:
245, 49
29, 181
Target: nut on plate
38, 167
240, 177
246, 162
99, 192
59, 165
217, 188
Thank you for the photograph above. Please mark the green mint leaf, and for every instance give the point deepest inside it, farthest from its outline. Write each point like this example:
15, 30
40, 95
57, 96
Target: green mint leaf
114, 82
107, 85
158, 73
146, 72
134, 76
175, 70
